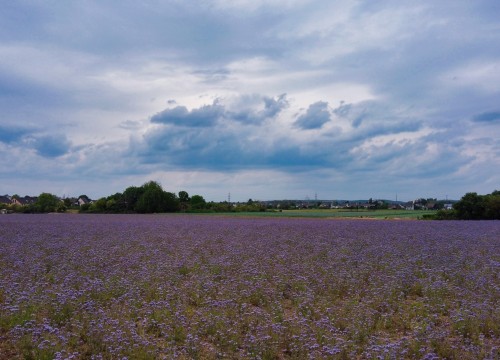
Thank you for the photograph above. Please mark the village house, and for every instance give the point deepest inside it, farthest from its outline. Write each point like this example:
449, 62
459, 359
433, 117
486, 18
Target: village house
82, 200
22, 201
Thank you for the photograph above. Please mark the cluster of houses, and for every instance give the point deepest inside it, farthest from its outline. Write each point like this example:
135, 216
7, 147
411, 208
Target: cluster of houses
422, 204
419, 204
6, 200
15, 200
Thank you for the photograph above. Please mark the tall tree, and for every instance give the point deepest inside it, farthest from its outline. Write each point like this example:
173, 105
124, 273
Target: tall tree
47, 203
183, 196
153, 199
470, 207
130, 197
197, 202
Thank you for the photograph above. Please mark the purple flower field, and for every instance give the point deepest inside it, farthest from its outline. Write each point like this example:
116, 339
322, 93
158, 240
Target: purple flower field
214, 287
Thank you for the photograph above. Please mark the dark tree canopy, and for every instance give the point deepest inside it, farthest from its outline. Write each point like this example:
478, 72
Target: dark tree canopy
130, 197
197, 202
475, 207
154, 200
183, 196
47, 203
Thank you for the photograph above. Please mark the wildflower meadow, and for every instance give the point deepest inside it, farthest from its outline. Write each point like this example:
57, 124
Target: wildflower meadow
219, 287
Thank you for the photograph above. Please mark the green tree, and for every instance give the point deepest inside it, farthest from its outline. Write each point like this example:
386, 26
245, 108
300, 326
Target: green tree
183, 200
183, 197
172, 203
46, 203
198, 202
67, 202
470, 207
99, 205
130, 197
492, 206
153, 199
115, 203
111, 205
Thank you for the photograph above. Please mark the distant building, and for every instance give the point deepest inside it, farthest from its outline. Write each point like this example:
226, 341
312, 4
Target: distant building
22, 201
82, 200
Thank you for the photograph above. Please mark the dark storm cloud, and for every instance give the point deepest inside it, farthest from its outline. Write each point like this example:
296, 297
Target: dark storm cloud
221, 148
51, 146
237, 146
315, 117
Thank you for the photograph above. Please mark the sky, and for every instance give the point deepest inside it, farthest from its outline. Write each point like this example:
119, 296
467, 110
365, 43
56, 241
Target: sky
275, 99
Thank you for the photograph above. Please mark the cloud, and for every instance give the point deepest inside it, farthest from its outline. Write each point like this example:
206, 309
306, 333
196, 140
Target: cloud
50, 146
220, 148
348, 111
130, 125
246, 109
12, 134
315, 117
248, 141
492, 116
205, 116
254, 109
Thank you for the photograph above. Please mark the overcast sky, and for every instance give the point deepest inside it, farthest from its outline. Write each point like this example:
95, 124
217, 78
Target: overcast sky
275, 99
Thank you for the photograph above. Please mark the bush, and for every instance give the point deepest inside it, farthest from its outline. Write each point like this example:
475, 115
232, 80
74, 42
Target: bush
445, 215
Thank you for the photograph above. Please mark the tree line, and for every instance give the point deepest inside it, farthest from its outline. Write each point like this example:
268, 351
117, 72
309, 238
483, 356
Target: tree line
473, 207
151, 198
145, 199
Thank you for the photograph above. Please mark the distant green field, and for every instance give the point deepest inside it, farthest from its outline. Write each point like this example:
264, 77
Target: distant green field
342, 213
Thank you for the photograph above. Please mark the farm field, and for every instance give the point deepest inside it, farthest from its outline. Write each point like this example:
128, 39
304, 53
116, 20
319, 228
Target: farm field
340, 213
222, 287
